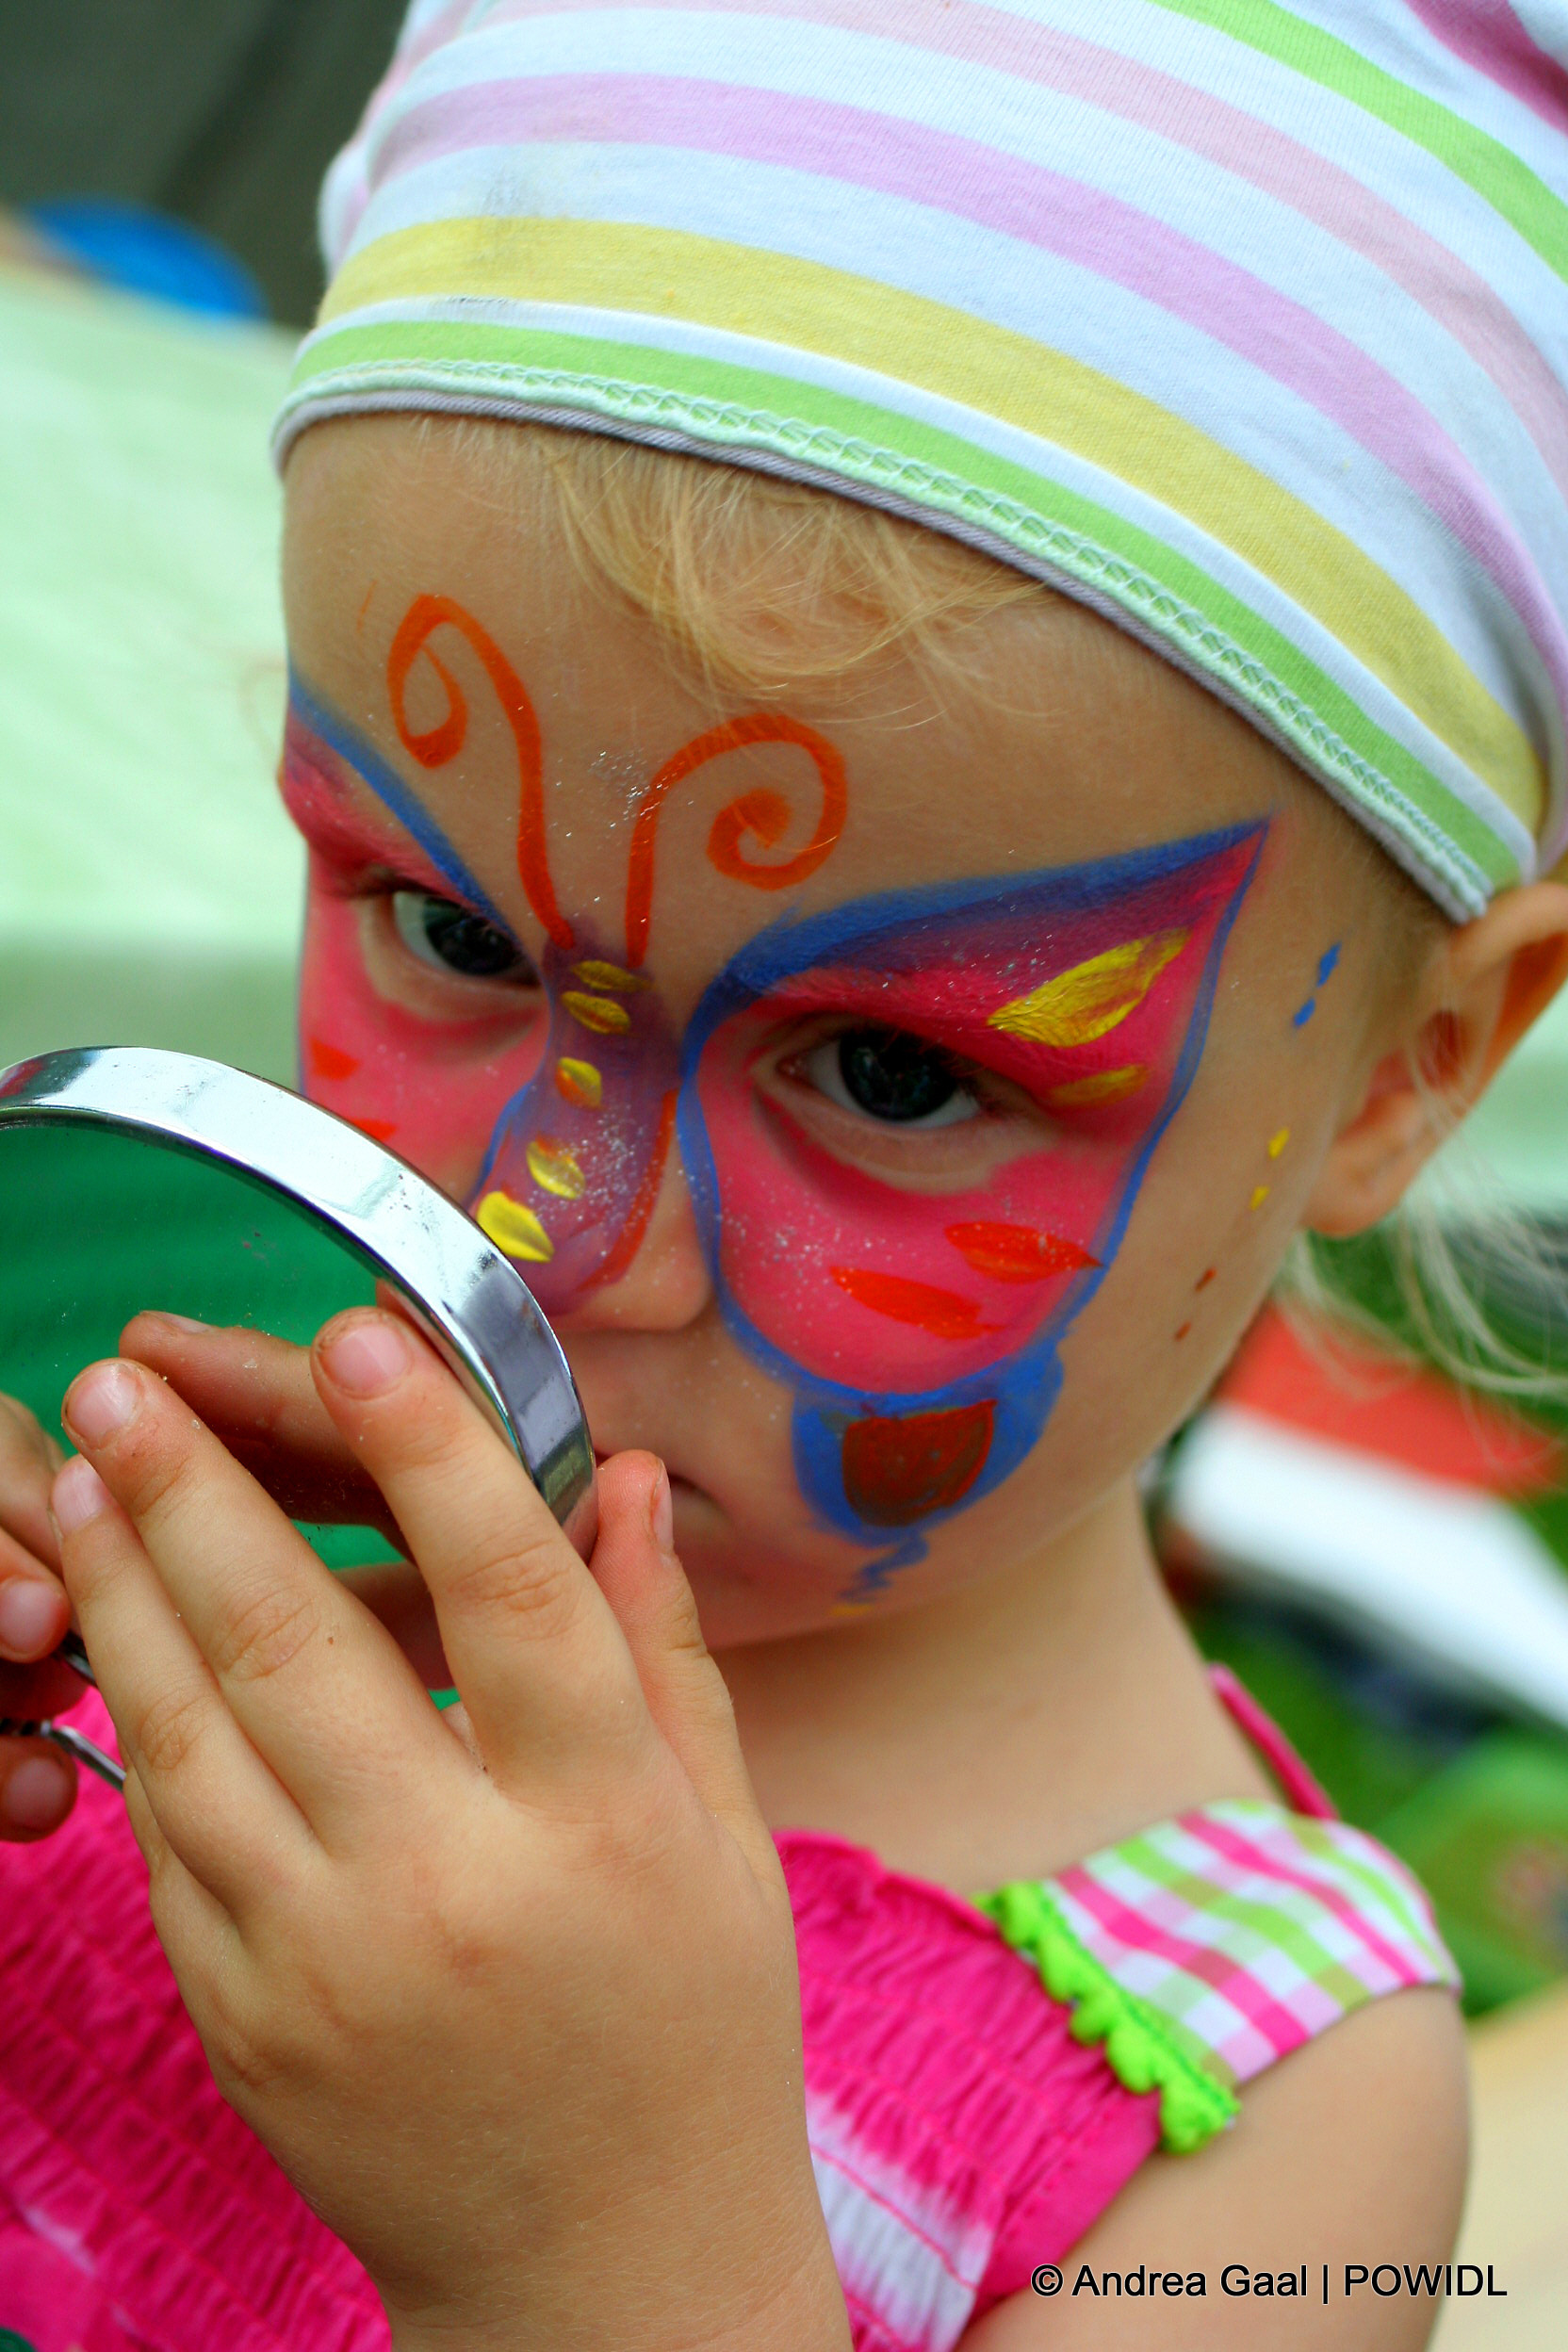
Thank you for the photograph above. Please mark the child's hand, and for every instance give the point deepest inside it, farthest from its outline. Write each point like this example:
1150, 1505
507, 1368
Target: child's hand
514, 2001
257, 1393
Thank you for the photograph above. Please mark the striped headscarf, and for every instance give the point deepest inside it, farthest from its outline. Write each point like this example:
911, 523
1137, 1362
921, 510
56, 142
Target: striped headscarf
1246, 324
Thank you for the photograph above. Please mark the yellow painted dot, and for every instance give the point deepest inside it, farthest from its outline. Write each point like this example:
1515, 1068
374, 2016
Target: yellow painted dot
555, 1169
579, 1082
611, 977
597, 1012
515, 1229
1260, 1195
1277, 1143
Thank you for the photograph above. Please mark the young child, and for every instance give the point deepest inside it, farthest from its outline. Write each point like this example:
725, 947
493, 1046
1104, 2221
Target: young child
928, 689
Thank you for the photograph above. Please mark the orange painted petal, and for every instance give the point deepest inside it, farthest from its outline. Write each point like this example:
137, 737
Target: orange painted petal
330, 1061
1016, 1253
942, 1313
379, 1130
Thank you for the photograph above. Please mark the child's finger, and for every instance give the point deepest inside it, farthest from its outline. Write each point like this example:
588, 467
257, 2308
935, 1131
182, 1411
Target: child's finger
209, 1793
37, 1788
636, 1569
255, 1393
29, 1460
34, 1612
315, 1686
535, 1651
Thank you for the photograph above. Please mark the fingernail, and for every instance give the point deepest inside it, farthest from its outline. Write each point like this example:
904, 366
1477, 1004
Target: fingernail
37, 1794
176, 1322
30, 1617
368, 1357
79, 1495
102, 1401
661, 1512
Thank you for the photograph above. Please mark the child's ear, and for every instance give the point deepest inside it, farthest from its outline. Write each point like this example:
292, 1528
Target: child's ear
1484, 985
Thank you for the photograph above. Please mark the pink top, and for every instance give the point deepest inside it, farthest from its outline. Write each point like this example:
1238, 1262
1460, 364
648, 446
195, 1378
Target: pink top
980, 2081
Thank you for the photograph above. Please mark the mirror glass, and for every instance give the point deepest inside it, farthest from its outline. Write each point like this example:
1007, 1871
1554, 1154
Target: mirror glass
96, 1226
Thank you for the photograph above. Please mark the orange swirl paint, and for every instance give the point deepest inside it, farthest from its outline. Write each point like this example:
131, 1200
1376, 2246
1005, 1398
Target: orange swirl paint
433, 747
762, 813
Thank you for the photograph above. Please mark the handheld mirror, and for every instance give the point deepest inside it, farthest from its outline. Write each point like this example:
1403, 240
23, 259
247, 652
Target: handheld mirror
131, 1178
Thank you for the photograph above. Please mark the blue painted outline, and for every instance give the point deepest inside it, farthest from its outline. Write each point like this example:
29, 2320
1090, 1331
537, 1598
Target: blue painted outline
1024, 1387
342, 736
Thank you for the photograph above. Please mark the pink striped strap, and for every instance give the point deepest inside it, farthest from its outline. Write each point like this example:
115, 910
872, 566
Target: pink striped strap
1203, 1950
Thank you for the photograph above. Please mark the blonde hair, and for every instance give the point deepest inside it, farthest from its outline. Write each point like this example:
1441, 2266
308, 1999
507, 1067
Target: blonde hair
758, 583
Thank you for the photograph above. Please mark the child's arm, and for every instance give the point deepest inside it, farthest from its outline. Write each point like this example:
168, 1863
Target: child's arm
511, 1994
1349, 2153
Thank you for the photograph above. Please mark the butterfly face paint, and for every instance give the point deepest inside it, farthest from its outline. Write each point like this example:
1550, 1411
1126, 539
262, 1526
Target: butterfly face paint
918, 1330
580, 1119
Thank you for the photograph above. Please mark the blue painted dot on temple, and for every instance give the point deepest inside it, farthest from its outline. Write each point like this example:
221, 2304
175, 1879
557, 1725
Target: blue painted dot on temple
1326, 963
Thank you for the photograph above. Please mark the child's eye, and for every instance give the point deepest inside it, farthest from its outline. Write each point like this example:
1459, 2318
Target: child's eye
889, 1075
441, 933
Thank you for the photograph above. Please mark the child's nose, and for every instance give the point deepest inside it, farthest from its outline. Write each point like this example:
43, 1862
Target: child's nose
664, 1284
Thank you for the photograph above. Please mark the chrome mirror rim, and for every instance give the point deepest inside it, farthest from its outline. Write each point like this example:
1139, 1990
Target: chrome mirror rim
461, 1291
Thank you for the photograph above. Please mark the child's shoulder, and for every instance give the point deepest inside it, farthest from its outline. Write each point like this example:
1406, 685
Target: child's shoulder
1350, 2153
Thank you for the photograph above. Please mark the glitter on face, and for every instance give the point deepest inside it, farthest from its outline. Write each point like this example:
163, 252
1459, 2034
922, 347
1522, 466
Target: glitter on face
918, 1330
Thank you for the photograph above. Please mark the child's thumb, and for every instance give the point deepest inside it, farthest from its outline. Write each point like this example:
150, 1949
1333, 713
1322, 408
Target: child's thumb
636, 1569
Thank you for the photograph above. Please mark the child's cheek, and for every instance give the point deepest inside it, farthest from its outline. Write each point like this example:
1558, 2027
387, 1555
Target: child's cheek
433, 1091
879, 1288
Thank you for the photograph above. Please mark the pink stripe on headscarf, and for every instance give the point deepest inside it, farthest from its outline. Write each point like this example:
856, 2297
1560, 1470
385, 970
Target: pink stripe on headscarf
1458, 297
1489, 36
1096, 230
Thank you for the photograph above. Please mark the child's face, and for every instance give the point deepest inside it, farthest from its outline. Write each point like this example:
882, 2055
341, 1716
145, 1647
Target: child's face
898, 1093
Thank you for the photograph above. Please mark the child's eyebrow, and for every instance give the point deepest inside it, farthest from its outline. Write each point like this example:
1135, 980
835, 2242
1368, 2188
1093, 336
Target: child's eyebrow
330, 819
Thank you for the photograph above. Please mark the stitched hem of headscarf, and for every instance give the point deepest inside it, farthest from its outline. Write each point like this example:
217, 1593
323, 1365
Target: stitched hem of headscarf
651, 413
1140, 2045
